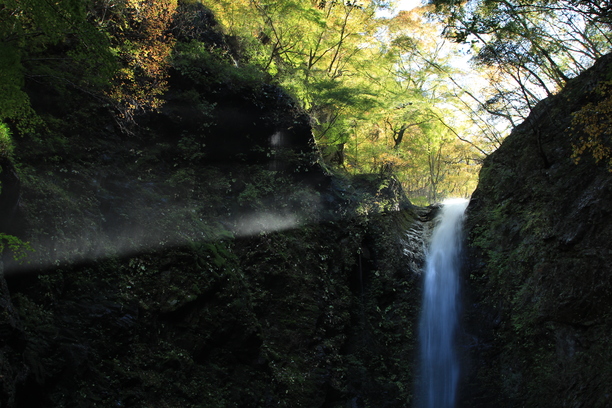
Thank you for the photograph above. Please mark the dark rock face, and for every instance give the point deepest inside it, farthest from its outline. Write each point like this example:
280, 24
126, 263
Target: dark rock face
320, 315
202, 259
540, 287
13, 371
9, 196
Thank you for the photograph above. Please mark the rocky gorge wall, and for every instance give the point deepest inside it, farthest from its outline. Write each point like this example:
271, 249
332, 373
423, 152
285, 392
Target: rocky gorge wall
538, 326
201, 256
205, 285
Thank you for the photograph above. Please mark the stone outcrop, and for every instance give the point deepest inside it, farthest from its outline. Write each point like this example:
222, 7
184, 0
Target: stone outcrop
200, 257
540, 288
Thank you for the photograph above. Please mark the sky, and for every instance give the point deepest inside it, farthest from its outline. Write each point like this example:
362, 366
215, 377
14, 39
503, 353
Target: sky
402, 5
408, 4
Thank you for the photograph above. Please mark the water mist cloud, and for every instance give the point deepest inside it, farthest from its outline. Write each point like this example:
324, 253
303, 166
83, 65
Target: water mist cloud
256, 223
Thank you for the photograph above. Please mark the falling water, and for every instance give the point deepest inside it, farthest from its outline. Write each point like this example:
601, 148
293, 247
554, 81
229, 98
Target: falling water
439, 316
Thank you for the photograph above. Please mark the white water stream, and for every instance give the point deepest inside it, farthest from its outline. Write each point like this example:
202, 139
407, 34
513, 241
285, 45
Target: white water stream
439, 315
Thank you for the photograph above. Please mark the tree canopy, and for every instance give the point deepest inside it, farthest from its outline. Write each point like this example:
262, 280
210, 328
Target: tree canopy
377, 88
424, 94
527, 49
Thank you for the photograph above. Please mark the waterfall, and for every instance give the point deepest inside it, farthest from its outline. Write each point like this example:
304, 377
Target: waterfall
439, 315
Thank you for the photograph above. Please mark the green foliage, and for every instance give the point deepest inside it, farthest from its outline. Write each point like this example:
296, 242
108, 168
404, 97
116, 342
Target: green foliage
262, 185
355, 75
213, 66
18, 249
192, 148
14, 103
31, 33
330, 55
6, 142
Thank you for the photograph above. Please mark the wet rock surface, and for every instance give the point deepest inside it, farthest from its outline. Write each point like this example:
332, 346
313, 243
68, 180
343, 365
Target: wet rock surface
539, 299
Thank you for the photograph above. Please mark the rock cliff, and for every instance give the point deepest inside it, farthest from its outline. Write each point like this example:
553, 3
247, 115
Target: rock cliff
539, 301
199, 256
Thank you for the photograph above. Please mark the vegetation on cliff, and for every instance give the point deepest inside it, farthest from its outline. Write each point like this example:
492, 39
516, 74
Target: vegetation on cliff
187, 247
538, 224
